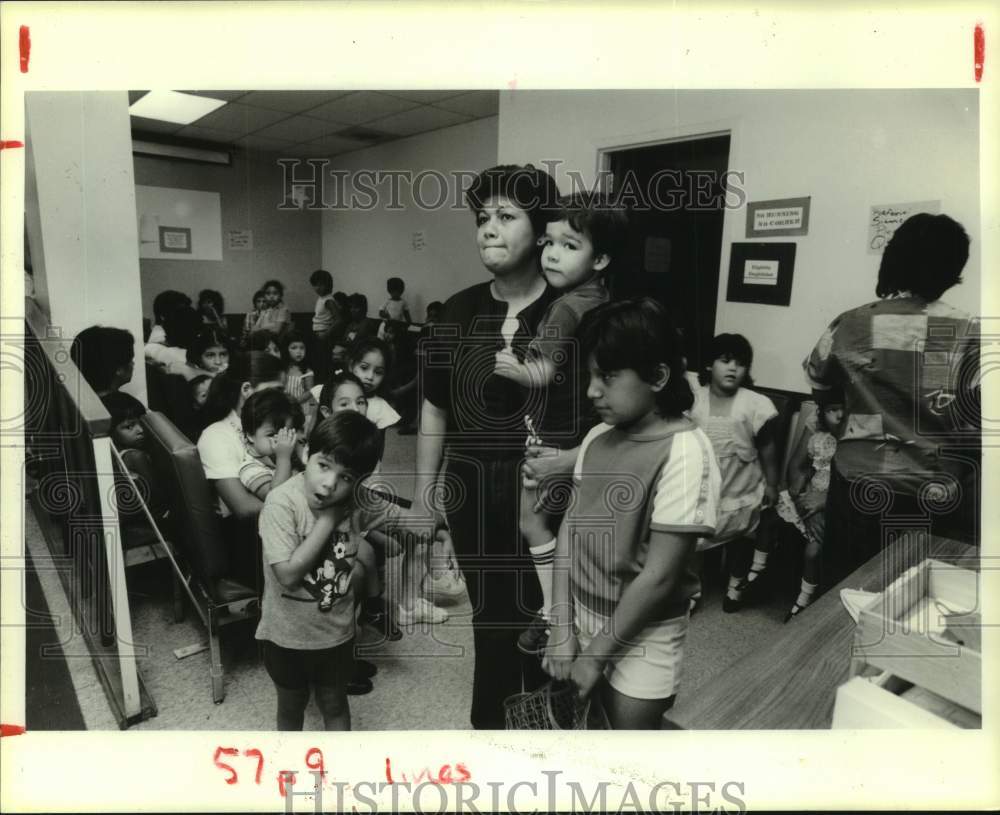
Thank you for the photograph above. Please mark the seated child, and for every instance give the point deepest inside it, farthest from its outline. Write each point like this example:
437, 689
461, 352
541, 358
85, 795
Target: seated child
310, 527
620, 604
212, 308
128, 437
584, 236
738, 422
266, 341
395, 307
163, 304
271, 423
250, 320
275, 317
295, 355
369, 360
194, 421
208, 353
808, 484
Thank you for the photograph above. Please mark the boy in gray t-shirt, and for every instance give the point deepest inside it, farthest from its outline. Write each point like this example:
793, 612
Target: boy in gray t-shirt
310, 526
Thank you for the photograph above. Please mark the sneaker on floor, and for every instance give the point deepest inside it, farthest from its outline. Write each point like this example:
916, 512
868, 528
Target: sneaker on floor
446, 585
423, 611
535, 637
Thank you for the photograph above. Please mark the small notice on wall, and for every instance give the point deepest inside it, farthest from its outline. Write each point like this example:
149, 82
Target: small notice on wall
760, 273
785, 216
240, 240
419, 240
885, 219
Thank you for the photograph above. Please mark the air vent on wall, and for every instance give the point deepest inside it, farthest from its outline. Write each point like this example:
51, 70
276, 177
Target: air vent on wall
180, 152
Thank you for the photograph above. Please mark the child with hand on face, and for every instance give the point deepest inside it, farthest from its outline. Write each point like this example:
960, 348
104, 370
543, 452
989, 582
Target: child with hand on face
272, 423
310, 527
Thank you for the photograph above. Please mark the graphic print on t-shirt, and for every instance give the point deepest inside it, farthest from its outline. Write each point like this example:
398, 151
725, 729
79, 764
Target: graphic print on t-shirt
331, 578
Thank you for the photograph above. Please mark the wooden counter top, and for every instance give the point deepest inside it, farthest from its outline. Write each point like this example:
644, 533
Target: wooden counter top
790, 684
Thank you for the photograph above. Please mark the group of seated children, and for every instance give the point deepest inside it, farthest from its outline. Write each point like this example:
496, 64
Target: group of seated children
195, 343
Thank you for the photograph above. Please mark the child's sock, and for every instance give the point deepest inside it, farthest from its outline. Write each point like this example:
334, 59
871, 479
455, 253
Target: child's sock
733, 591
543, 556
806, 591
758, 565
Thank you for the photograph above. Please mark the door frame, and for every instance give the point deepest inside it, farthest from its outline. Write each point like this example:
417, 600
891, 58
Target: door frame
729, 126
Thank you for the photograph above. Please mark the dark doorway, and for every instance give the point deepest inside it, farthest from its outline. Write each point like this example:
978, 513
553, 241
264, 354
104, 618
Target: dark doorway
676, 194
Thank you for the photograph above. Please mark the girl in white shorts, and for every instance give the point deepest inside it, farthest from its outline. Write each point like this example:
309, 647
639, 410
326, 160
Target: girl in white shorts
646, 487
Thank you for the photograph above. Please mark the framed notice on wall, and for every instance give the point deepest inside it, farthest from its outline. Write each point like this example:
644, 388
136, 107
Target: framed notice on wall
761, 273
785, 216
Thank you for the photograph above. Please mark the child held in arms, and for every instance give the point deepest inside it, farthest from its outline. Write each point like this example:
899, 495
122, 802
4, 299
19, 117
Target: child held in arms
586, 233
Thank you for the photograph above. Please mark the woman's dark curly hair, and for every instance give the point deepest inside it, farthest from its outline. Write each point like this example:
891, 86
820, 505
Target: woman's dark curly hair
925, 256
526, 187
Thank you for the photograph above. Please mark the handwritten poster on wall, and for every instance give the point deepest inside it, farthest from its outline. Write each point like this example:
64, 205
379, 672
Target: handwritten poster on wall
885, 219
178, 224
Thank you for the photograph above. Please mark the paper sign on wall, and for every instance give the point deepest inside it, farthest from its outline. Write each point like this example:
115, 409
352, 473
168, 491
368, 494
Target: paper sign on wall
885, 219
760, 273
240, 240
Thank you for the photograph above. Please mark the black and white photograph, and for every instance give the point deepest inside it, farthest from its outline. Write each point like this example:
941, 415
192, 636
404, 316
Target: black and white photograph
443, 409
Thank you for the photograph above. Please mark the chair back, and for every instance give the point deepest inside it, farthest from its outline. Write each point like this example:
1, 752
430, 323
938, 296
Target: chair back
197, 530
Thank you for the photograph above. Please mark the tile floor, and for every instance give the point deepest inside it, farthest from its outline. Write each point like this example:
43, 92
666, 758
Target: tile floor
424, 680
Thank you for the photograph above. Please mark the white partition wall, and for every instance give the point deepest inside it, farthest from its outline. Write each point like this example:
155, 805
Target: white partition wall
80, 208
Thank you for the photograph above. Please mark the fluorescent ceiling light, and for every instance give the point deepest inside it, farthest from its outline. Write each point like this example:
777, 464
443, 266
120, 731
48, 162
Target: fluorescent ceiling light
171, 106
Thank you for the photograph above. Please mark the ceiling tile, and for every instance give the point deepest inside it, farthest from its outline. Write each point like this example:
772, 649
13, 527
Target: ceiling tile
153, 125
290, 101
419, 120
239, 118
298, 129
424, 97
328, 146
207, 134
362, 107
478, 104
228, 96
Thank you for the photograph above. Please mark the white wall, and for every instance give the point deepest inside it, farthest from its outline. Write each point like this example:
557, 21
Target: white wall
286, 243
848, 150
363, 248
80, 205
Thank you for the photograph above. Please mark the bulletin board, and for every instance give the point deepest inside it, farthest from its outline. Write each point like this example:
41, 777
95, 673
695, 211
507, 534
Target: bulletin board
178, 224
